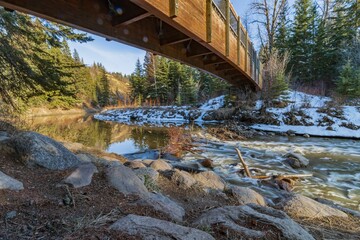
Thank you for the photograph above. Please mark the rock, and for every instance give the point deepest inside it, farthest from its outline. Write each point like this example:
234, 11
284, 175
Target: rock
148, 154
182, 179
295, 160
146, 172
160, 165
6, 146
208, 163
89, 158
164, 205
10, 215
210, 179
7, 182
290, 132
146, 162
306, 135
303, 207
246, 195
82, 176
189, 167
341, 208
134, 164
236, 218
125, 181
36, 149
147, 228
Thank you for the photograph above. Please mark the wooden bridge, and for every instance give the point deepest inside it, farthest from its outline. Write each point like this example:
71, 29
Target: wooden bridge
206, 34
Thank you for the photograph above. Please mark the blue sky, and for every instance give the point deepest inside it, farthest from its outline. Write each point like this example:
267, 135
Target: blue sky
117, 57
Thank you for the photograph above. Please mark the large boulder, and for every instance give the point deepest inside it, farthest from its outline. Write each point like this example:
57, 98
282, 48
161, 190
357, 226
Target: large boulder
7, 182
296, 160
82, 176
135, 164
125, 181
245, 195
182, 179
163, 204
147, 174
303, 207
6, 146
36, 149
237, 218
210, 179
147, 228
160, 165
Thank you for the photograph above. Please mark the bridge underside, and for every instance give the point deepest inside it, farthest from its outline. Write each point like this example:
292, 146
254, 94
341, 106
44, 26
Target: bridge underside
162, 30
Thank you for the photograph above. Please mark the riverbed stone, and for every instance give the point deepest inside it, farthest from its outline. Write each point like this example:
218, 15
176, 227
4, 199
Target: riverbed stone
82, 176
160, 165
182, 179
134, 164
35, 149
7, 182
296, 160
147, 228
163, 204
125, 181
147, 172
236, 218
209, 179
303, 207
245, 195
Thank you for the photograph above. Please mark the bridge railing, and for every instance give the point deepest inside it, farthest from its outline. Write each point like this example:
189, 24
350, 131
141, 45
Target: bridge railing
253, 66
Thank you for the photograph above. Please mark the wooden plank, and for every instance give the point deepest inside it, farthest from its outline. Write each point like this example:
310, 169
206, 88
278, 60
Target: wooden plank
246, 51
174, 6
129, 18
238, 40
209, 9
227, 28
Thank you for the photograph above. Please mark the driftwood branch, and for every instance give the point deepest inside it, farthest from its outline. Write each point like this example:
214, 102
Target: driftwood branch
247, 171
283, 176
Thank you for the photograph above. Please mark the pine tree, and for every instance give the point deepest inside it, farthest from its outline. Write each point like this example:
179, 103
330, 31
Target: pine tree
302, 41
282, 34
162, 83
137, 83
76, 56
149, 75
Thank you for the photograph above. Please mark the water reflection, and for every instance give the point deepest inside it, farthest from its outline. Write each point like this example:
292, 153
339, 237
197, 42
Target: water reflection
108, 136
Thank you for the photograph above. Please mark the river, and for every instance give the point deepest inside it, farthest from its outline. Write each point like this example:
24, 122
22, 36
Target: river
334, 163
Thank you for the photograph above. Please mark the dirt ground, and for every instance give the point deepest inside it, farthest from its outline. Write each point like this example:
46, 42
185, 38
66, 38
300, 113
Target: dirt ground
44, 209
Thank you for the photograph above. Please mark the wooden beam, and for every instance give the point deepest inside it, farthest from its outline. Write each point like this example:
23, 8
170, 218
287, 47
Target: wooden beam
238, 40
169, 35
227, 28
194, 55
174, 5
209, 9
129, 17
246, 51
173, 40
223, 66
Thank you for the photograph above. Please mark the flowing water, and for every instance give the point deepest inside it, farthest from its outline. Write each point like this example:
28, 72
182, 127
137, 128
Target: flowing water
334, 163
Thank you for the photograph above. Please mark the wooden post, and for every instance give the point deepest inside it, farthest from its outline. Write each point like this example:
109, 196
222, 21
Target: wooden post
246, 51
227, 27
174, 5
238, 40
209, 8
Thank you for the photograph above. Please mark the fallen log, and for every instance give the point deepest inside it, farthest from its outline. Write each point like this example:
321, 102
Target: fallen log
283, 181
247, 172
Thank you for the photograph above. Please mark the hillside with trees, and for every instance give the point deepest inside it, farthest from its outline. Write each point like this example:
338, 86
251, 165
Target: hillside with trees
318, 41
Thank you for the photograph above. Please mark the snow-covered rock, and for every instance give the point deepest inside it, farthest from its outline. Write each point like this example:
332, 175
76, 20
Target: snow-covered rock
313, 117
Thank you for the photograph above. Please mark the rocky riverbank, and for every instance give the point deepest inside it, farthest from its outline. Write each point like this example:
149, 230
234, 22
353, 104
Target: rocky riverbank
50, 192
294, 113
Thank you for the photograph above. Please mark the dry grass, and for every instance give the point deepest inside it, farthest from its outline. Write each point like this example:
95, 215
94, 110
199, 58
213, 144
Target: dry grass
179, 141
